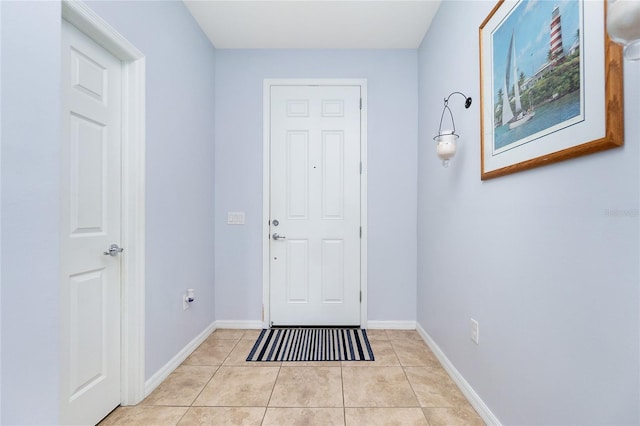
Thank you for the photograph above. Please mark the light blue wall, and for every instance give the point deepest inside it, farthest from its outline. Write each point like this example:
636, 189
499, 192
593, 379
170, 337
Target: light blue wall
180, 191
30, 211
392, 136
180, 178
534, 257
0, 213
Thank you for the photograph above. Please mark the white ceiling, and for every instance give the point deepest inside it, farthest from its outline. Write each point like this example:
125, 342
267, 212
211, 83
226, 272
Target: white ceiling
314, 24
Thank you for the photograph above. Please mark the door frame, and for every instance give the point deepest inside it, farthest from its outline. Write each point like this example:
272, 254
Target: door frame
132, 300
266, 183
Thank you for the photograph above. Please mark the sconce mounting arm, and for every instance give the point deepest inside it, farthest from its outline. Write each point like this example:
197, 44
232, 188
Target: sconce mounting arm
467, 104
467, 100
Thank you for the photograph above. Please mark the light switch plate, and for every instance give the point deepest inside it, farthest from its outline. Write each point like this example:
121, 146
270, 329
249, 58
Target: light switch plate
235, 218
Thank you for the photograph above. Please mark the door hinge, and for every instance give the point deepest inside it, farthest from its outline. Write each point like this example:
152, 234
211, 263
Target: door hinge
360, 296
360, 103
361, 167
361, 232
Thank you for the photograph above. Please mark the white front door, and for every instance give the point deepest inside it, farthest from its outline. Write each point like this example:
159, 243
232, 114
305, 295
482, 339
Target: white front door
315, 205
91, 223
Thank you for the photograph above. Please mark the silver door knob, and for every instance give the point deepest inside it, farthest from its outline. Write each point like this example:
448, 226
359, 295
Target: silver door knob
278, 237
113, 250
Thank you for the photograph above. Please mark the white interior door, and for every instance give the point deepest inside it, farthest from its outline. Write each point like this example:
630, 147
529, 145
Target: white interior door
315, 205
91, 222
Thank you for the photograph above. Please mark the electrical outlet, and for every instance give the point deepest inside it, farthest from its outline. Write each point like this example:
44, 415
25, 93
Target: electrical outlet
187, 299
475, 331
185, 304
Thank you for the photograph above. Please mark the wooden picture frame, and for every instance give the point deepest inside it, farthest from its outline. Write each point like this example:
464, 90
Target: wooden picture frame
564, 105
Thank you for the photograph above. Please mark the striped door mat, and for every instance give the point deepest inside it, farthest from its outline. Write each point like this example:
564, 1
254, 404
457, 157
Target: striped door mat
312, 344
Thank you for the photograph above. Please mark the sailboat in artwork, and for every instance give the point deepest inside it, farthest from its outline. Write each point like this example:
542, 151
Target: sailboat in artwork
518, 116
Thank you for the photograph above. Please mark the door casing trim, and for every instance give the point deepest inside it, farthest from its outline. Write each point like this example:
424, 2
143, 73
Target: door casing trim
133, 193
266, 187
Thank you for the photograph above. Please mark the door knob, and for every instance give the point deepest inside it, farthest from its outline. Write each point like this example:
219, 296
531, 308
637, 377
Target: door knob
278, 237
113, 250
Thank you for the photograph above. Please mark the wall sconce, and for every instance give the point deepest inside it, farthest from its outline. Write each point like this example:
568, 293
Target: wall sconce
623, 25
446, 141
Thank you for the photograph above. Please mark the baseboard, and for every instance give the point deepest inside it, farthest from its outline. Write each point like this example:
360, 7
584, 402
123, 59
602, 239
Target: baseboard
471, 395
391, 325
159, 376
250, 325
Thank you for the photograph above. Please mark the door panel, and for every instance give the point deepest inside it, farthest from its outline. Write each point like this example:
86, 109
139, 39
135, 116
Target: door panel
332, 174
332, 271
297, 279
315, 198
87, 334
90, 222
87, 181
297, 179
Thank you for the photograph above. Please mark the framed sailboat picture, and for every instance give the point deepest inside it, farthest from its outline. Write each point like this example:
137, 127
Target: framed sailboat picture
550, 84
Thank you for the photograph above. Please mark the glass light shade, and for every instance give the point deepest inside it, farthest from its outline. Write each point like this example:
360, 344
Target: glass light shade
623, 25
446, 144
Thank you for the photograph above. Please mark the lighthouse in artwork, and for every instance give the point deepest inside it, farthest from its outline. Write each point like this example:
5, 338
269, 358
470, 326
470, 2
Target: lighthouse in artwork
556, 35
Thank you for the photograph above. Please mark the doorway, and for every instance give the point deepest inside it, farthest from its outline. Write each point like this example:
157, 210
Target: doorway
102, 181
315, 202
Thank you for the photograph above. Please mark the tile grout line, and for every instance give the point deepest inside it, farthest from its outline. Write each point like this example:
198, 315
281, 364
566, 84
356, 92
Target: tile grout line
344, 405
182, 417
214, 373
404, 371
204, 387
271, 393
409, 381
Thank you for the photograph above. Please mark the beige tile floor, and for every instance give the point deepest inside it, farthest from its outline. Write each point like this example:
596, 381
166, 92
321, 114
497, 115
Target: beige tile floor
405, 385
